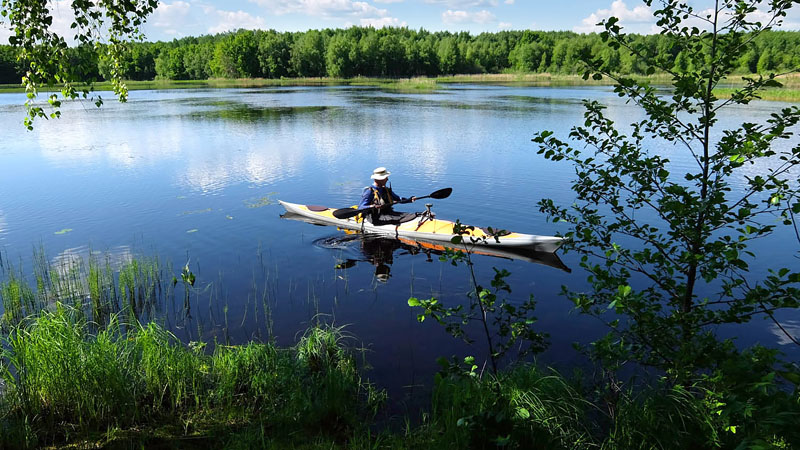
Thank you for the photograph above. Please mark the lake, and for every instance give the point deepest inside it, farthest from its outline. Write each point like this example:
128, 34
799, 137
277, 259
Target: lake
194, 176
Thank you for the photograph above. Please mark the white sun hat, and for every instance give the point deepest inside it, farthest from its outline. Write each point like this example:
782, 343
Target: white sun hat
380, 173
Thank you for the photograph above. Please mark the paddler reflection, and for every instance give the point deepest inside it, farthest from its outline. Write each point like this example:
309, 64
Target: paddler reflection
380, 253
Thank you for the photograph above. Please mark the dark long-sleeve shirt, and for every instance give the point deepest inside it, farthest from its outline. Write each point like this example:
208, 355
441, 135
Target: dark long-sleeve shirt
367, 197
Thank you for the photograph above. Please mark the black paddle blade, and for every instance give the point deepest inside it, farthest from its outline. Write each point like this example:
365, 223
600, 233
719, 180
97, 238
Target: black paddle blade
346, 213
441, 193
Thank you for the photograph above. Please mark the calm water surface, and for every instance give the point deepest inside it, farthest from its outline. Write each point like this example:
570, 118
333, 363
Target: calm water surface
194, 175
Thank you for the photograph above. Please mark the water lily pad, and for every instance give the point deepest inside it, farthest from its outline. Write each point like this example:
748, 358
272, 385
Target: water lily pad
64, 231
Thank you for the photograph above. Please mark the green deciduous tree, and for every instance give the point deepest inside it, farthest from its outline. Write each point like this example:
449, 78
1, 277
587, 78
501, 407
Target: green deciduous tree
44, 54
450, 58
667, 247
274, 52
337, 57
308, 55
170, 64
9, 67
197, 61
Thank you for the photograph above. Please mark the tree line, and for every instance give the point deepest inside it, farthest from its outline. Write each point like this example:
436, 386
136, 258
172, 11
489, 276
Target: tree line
395, 52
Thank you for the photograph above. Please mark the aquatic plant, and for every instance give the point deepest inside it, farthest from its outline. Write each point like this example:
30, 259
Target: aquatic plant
86, 283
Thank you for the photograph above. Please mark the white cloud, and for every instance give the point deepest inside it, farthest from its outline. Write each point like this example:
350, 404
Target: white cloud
452, 17
483, 16
322, 8
504, 25
641, 16
640, 19
169, 15
181, 18
464, 3
387, 1
790, 22
234, 20
383, 22
509, 2
5, 33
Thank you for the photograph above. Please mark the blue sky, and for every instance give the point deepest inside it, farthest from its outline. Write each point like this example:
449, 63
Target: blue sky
179, 18
193, 17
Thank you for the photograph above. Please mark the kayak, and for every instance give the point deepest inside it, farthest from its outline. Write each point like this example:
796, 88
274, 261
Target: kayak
427, 228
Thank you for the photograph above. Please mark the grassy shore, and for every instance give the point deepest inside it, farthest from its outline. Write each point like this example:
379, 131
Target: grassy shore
789, 93
68, 384
84, 365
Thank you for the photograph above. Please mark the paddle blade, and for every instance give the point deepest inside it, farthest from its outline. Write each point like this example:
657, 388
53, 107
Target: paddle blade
442, 193
346, 213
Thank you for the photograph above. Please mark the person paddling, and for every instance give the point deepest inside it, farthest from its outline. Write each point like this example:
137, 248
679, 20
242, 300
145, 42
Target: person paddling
380, 197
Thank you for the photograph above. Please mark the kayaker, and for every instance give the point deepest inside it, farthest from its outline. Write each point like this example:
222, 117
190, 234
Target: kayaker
381, 197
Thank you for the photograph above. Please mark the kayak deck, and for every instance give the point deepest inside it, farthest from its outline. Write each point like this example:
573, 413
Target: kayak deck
426, 228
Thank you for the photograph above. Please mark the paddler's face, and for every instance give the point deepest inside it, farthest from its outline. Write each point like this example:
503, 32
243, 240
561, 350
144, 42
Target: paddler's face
381, 183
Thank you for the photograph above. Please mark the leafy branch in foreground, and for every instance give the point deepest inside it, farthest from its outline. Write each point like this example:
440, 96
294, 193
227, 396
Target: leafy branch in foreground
504, 324
681, 236
667, 245
103, 25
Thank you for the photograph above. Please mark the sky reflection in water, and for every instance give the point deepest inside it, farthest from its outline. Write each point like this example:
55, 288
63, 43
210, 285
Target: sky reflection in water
194, 175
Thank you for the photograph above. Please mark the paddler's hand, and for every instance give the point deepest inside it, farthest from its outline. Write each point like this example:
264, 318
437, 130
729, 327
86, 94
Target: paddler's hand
413, 199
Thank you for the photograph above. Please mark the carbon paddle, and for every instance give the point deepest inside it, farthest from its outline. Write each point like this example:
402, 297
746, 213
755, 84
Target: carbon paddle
346, 213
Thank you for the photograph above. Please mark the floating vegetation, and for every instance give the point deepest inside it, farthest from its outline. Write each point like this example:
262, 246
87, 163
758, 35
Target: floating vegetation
403, 85
63, 231
199, 211
262, 201
249, 113
193, 230
229, 217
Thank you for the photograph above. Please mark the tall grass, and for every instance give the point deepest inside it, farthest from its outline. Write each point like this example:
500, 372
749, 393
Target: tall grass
60, 375
524, 406
90, 285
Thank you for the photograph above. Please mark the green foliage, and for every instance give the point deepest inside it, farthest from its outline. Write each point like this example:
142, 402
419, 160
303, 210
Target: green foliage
45, 56
667, 248
338, 57
505, 324
694, 254
522, 408
308, 55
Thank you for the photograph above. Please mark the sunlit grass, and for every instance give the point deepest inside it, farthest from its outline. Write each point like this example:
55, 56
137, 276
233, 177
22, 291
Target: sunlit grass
790, 92
785, 94
67, 376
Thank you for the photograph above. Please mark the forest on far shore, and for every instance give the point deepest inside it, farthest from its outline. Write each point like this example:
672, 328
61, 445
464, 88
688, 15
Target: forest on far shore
394, 52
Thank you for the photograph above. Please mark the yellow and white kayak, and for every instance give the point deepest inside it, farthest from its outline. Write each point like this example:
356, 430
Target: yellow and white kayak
426, 228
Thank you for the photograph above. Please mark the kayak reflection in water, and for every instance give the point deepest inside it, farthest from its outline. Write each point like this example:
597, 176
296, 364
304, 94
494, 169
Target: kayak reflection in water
379, 199
379, 252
